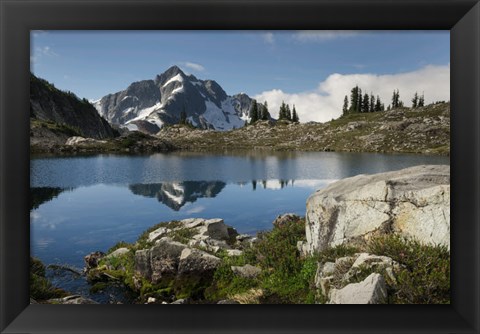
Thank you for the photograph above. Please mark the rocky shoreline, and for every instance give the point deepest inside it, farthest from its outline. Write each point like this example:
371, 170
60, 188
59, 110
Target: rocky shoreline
368, 239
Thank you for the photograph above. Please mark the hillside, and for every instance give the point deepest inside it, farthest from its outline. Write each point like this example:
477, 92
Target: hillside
56, 115
421, 130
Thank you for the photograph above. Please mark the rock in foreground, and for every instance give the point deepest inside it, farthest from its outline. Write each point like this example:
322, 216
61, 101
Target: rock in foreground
412, 202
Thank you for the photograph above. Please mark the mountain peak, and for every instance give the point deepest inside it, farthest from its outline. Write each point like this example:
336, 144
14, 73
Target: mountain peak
163, 100
174, 70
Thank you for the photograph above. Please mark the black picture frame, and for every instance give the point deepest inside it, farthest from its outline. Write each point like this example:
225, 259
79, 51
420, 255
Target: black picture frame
18, 17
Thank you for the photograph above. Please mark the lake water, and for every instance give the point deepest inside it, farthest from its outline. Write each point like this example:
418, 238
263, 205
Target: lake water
86, 203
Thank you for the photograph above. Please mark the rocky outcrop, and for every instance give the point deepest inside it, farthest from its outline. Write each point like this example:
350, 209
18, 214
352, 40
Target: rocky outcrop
346, 270
92, 259
246, 271
372, 290
74, 299
174, 260
77, 140
412, 202
285, 218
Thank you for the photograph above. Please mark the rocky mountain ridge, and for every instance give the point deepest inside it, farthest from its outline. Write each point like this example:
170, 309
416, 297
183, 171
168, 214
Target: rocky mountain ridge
55, 113
149, 104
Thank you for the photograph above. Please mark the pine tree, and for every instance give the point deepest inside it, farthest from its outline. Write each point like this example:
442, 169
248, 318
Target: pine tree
421, 100
388, 108
354, 99
254, 112
360, 101
415, 100
288, 113
345, 106
396, 103
265, 113
282, 111
372, 103
378, 104
394, 99
366, 103
295, 115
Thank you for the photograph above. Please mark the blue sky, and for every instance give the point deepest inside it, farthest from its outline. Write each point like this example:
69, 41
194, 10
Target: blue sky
289, 65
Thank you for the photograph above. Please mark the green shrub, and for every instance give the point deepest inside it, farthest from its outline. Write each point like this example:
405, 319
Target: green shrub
226, 283
333, 253
40, 288
120, 244
424, 277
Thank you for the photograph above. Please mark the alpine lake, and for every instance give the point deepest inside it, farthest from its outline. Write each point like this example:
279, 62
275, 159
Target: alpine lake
81, 204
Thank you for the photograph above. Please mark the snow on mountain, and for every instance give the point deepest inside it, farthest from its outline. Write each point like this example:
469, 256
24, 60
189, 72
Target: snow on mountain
150, 104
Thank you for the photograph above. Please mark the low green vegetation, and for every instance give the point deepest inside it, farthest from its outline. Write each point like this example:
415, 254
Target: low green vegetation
286, 277
57, 128
40, 288
424, 277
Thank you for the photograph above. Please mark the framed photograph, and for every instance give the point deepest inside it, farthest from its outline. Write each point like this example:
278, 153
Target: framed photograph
218, 152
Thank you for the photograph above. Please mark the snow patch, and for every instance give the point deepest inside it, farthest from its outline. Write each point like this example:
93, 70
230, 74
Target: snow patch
178, 78
218, 118
144, 113
132, 127
176, 199
178, 187
190, 119
177, 90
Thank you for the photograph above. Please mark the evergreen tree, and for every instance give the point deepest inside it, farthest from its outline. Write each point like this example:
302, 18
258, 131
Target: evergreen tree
396, 103
295, 115
354, 99
345, 106
415, 100
366, 103
421, 100
378, 104
288, 113
372, 103
265, 113
254, 112
360, 101
282, 113
388, 108
394, 99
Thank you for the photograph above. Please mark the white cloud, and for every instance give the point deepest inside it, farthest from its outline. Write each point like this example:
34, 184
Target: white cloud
196, 209
326, 101
194, 66
46, 51
268, 38
323, 35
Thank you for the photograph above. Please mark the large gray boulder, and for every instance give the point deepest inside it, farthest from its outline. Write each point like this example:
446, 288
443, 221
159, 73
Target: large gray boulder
160, 261
372, 290
246, 271
412, 202
195, 261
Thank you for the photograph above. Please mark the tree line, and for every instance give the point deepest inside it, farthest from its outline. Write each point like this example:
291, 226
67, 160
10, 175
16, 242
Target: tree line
369, 103
260, 112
